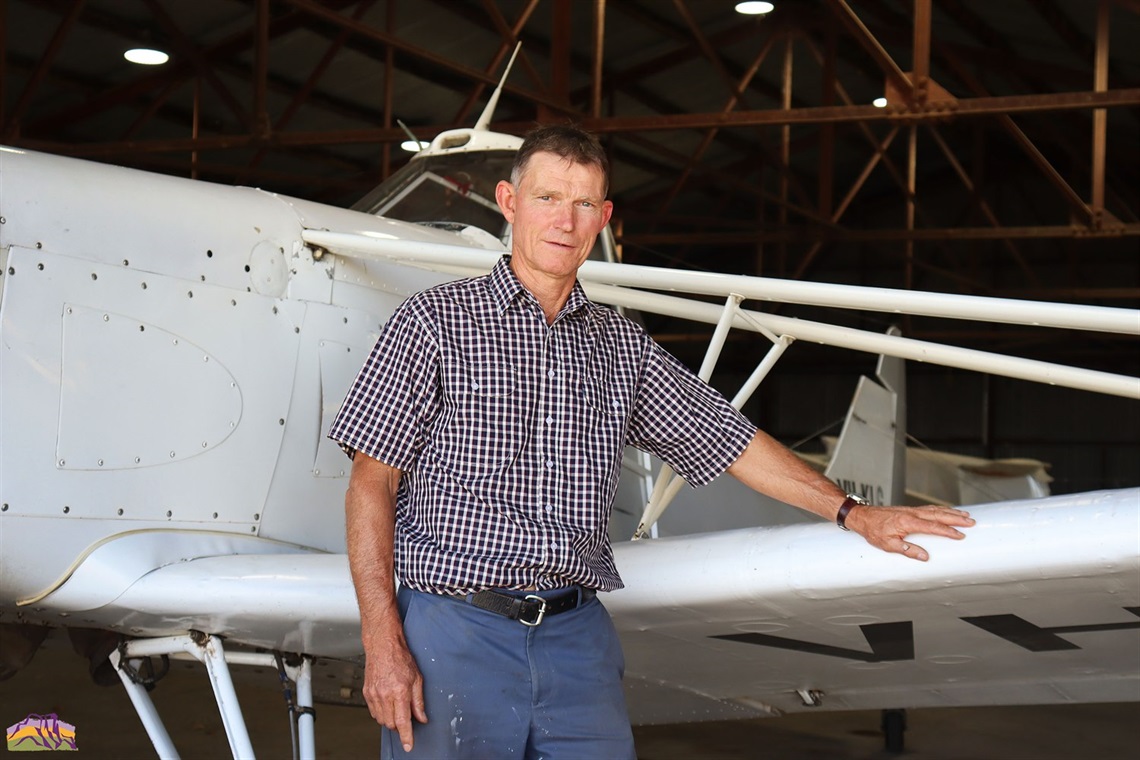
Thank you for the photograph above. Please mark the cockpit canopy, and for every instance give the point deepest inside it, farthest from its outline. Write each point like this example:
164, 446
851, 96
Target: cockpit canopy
450, 191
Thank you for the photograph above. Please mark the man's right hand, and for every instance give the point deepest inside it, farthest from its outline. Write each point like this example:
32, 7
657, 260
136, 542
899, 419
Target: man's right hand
393, 686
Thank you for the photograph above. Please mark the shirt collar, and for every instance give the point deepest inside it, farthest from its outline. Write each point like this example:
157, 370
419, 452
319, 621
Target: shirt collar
506, 287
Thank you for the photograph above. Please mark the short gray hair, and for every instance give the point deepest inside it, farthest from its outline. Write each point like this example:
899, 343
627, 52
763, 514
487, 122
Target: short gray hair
566, 140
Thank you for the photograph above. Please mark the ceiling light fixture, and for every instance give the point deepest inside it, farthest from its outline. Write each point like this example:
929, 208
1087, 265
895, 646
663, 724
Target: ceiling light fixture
414, 146
879, 102
754, 8
146, 56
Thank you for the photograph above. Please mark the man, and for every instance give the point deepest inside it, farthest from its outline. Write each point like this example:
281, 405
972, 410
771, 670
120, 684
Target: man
488, 426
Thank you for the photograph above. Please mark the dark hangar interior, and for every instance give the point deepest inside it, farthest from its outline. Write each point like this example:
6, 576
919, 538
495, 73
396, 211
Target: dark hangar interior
1005, 162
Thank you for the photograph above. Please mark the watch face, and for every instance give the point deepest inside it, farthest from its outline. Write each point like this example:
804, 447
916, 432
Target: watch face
857, 499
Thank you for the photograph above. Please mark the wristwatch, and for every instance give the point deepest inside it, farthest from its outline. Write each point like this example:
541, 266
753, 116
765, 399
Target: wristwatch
845, 508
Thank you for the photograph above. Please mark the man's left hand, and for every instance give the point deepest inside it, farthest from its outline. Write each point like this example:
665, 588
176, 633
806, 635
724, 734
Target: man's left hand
889, 528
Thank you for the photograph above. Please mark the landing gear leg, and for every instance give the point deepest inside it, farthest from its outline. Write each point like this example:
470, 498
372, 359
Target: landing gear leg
209, 650
894, 726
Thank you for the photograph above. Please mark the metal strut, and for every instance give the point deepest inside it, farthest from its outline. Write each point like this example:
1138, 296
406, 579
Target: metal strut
209, 650
668, 484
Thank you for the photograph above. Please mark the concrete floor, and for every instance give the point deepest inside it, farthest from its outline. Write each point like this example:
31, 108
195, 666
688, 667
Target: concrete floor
106, 725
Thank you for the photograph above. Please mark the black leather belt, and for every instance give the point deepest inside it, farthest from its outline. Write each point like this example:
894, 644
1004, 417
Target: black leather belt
531, 609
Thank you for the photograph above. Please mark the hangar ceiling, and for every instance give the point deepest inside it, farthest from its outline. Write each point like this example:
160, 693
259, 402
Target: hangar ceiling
1006, 161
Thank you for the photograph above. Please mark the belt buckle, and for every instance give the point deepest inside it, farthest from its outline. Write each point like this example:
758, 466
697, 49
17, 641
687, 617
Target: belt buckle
541, 610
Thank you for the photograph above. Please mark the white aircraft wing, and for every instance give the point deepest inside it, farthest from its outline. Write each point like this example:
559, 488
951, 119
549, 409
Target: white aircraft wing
1041, 604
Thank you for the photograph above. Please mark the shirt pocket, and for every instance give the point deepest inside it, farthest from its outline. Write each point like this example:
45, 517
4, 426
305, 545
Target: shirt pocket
481, 428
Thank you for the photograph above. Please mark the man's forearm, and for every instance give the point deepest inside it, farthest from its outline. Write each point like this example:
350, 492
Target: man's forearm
772, 469
370, 526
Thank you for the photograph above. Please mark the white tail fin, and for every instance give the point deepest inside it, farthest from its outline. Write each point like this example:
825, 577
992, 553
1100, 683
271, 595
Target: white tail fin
870, 457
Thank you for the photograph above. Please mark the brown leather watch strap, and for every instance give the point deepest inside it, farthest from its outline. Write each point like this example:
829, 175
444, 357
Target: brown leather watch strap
845, 508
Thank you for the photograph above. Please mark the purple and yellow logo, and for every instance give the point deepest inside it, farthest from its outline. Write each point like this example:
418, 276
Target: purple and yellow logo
41, 733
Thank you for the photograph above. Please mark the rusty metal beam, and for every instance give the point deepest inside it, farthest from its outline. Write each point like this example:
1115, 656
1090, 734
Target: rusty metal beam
867, 40
920, 66
42, 69
980, 106
1100, 115
911, 192
598, 50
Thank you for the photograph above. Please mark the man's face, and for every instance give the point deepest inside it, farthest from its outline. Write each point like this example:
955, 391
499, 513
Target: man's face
557, 209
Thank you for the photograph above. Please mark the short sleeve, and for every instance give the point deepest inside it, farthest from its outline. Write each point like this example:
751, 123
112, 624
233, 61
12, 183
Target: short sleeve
684, 421
395, 395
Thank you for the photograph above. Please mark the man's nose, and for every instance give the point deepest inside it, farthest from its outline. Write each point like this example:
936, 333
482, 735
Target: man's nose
564, 217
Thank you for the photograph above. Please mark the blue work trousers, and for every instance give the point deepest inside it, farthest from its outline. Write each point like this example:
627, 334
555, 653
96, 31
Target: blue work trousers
495, 688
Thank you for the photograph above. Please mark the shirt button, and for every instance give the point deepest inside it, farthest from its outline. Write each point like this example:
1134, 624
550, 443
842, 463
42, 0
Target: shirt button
551, 374
549, 507
474, 386
549, 463
554, 545
549, 420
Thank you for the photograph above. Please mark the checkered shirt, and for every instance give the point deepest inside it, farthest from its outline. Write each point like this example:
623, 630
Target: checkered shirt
510, 432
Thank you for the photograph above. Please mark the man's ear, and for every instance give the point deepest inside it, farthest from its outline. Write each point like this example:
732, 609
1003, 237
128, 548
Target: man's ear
607, 212
505, 197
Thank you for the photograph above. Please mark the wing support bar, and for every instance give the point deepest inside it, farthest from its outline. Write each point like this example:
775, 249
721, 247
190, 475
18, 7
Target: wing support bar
594, 276
668, 484
210, 651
